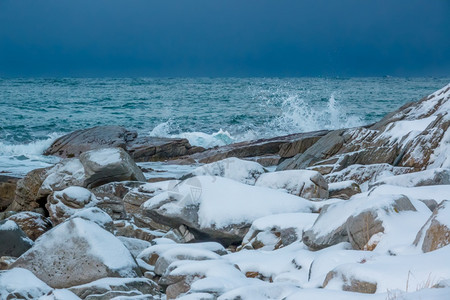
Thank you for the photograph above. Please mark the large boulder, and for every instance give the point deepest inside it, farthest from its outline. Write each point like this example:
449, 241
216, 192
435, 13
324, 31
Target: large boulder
108, 165
415, 136
283, 147
304, 183
219, 208
435, 233
233, 168
77, 142
361, 217
77, 252
21, 284
140, 148
13, 241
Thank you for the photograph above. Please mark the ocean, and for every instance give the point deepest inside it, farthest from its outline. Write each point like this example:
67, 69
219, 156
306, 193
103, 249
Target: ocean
207, 111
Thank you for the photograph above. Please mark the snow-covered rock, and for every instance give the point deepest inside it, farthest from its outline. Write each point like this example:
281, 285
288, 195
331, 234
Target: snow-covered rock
33, 224
386, 273
107, 165
415, 136
63, 204
438, 176
152, 254
13, 241
233, 168
97, 216
68, 172
277, 231
108, 288
77, 252
181, 253
435, 233
343, 189
363, 216
19, 283
220, 208
304, 183
135, 246
212, 276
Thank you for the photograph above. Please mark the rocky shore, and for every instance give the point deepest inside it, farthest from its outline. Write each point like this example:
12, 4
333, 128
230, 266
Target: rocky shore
356, 213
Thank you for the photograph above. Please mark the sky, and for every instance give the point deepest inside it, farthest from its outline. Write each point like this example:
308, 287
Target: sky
218, 38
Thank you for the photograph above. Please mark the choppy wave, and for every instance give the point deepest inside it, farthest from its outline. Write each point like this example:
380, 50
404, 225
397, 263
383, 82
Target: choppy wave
295, 115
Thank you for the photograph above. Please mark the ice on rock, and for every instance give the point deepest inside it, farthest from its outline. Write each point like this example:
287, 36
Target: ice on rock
233, 168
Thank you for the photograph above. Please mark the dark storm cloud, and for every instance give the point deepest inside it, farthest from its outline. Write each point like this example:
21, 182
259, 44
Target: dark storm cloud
224, 38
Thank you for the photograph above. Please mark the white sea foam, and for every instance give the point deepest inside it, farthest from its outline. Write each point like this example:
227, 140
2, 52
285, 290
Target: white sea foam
19, 159
195, 138
295, 115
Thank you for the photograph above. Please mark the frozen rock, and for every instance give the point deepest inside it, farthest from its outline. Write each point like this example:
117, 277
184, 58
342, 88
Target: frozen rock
385, 273
435, 233
181, 253
33, 224
97, 216
233, 168
366, 173
304, 183
344, 189
19, 283
217, 276
151, 254
438, 176
77, 252
277, 231
219, 208
13, 241
63, 204
108, 165
66, 173
360, 216
108, 288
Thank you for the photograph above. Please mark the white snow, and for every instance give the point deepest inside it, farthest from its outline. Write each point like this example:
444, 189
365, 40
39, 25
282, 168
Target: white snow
224, 201
407, 130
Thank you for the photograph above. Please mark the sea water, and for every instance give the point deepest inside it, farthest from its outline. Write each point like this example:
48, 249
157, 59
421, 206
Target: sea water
207, 111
